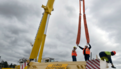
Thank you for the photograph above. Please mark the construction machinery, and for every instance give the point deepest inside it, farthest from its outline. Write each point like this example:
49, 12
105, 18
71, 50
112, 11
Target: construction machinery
39, 45
48, 60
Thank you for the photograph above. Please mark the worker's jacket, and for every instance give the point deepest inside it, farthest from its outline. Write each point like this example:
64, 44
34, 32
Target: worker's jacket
87, 51
106, 55
74, 53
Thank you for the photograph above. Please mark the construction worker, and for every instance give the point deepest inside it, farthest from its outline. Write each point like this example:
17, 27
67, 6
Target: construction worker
107, 56
74, 54
86, 51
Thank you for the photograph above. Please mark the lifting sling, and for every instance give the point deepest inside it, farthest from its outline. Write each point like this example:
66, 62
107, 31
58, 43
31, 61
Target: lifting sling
85, 24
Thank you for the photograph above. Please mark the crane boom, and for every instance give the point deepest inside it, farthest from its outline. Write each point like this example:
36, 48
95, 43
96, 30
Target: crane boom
43, 41
39, 37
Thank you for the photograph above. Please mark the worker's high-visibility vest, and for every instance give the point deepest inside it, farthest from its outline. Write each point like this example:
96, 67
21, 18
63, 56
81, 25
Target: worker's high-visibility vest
74, 53
108, 53
87, 51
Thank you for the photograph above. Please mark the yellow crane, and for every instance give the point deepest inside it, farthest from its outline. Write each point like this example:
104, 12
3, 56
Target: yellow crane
40, 40
41, 34
39, 44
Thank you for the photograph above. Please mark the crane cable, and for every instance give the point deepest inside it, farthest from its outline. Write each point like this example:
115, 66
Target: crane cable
85, 24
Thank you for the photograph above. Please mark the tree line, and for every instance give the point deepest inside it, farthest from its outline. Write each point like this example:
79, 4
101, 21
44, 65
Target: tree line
4, 64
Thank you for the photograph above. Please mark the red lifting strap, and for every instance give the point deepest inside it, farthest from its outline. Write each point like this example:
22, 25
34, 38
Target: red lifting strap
85, 24
79, 26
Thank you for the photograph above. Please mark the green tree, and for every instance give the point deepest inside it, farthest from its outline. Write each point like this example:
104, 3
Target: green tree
11, 66
14, 65
5, 64
2, 64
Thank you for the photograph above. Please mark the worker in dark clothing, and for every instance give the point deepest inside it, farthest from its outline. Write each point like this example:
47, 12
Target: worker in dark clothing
74, 54
86, 51
107, 56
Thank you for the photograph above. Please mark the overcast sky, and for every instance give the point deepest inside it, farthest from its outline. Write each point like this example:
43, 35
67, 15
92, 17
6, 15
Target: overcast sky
20, 19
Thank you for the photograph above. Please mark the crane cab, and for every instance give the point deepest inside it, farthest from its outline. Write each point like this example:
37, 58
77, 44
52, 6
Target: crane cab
48, 60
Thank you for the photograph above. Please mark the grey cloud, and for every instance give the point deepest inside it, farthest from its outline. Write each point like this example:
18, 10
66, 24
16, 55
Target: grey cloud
107, 15
62, 29
15, 9
70, 11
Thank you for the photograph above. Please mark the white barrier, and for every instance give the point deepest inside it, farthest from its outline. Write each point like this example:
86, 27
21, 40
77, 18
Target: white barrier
97, 64
23, 65
103, 65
